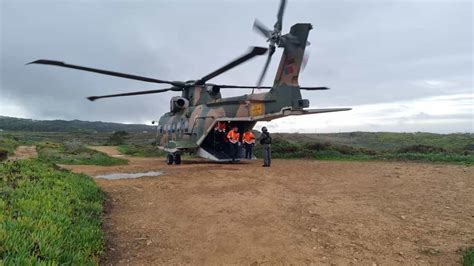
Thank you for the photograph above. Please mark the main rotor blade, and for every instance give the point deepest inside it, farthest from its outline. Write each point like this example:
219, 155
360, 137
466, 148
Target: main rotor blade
270, 53
267, 87
279, 23
93, 98
262, 29
240, 87
250, 54
104, 72
314, 88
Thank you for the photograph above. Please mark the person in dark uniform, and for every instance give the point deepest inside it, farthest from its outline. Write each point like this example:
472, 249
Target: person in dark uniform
266, 140
220, 136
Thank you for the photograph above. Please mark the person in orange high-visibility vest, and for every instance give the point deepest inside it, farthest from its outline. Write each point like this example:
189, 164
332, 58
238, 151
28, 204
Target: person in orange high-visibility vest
234, 141
249, 140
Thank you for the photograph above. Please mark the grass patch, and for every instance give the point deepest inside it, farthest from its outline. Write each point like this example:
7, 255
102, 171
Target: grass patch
286, 149
468, 259
141, 150
48, 216
8, 144
74, 152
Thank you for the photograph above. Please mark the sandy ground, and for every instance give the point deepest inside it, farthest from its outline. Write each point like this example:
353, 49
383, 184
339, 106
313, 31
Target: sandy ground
24, 152
296, 211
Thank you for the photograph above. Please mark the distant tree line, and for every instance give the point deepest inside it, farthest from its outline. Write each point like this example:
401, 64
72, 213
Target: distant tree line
20, 124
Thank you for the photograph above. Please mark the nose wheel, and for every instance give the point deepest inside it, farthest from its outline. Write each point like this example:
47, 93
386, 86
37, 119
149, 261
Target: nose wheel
173, 158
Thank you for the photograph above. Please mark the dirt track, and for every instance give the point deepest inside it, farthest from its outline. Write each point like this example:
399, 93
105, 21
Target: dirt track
24, 152
297, 211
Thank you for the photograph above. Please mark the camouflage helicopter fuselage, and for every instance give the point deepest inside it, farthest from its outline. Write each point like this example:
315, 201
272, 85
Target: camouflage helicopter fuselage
189, 124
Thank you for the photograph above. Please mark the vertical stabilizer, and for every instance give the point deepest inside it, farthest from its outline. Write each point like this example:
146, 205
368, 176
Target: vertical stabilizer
292, 58
285, 87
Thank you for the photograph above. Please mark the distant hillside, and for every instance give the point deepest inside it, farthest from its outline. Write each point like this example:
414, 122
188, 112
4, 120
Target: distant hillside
21, 124
381, 141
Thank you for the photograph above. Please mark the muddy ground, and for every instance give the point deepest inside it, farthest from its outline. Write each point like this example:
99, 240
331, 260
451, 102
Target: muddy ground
297, 211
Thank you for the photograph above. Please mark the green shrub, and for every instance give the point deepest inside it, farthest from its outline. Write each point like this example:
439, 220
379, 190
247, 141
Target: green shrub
118, 138
48, 216
468, 259
8, 143
3, 154
141, 150
421, 149
73, 152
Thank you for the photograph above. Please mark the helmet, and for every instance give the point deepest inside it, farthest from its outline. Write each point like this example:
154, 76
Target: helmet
264, 129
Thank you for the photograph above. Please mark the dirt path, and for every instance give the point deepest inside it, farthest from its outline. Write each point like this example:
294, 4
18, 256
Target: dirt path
297, 211
24, 152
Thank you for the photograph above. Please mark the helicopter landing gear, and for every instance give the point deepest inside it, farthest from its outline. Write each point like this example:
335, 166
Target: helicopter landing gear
177, 158
173, 158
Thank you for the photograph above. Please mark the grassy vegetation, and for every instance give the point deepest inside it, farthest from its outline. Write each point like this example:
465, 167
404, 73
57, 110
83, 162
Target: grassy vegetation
21, 124
74, 152
141, 150
425, 147
48, 216
285, 147
468, 259
8, 144
387, 141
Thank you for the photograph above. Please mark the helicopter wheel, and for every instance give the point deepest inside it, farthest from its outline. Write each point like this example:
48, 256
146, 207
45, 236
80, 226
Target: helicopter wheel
177, 158
169, 158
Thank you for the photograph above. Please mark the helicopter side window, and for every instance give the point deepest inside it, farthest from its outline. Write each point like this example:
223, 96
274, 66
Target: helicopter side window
160, 129
178, 127
185, 126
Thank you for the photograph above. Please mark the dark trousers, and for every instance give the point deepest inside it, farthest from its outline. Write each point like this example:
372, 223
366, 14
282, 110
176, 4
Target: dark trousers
248, 150
234, 150
267, 155
219, 140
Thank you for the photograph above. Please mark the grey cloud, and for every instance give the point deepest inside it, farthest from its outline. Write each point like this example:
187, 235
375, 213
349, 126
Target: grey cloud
367, 52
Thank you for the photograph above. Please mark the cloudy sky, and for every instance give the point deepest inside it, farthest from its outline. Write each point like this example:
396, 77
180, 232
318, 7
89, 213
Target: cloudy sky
401, 65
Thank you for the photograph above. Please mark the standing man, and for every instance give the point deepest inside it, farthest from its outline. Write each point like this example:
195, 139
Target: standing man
248, 140
234, 136
266, 141
219, 135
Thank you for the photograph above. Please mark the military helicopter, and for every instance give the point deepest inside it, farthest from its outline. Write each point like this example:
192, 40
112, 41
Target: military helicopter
190, 124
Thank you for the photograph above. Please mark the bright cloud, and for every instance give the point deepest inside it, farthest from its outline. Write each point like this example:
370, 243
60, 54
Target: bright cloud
443, 114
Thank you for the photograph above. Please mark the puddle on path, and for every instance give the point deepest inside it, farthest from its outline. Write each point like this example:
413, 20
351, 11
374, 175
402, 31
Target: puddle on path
129, 175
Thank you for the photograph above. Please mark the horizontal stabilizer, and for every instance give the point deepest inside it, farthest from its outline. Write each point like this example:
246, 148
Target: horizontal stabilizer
324, 110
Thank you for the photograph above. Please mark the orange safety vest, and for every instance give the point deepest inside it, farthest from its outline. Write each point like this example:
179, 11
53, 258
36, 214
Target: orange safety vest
248, 137
233, 136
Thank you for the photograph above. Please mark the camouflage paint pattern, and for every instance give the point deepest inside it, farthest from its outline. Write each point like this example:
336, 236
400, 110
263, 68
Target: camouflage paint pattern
186, 129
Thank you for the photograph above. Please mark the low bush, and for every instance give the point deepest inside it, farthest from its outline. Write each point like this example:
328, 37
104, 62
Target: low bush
8, 145
468, 259
421, 149
141, 150
73, 152
282, 148
118, 138
3, 154
48, 216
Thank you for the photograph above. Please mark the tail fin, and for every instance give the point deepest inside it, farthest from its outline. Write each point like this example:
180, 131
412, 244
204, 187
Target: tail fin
292, 57
285, 89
